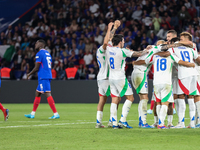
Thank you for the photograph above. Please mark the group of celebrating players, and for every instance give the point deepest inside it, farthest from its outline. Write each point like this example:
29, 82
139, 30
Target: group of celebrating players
176, 75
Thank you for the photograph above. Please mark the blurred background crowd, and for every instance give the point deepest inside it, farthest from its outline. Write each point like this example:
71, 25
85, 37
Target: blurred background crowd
74, 29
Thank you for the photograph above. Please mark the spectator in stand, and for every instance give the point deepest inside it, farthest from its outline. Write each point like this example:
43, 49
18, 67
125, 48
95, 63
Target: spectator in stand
153, 39
156, 23
98, 38
74, 49
88, 58
82, 72
110, 14
81, 45
190, 29
24, 44
183, 16
162, 34
137, 14
94, 8
73, 58
88, 44
102, 25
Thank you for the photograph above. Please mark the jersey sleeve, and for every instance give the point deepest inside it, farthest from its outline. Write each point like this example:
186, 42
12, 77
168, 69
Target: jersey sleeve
127, 53
101, 50
175, 58
38, 57
195, 53
157, 49
150, 60
171, 50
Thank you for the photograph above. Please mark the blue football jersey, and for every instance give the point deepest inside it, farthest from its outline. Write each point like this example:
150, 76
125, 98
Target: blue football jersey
45, 59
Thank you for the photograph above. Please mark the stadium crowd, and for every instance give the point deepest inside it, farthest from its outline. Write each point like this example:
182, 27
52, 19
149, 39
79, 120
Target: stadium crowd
74, 29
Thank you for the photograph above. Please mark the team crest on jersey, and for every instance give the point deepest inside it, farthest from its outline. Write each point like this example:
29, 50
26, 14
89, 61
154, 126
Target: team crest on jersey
112, 53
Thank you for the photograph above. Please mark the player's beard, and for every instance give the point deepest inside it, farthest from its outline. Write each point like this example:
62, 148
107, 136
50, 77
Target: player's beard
37, 49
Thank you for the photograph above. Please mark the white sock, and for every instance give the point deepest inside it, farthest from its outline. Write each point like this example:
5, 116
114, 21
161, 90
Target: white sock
198, 110
33, 113
125, 110
143, 110
113, 113
158, 110
192, 111
170, 118
177, 106
156, 119
99, 116
182, 108
55, 113
163, 114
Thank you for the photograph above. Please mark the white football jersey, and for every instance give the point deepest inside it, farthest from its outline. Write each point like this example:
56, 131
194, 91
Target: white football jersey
162, 68
116, 59
102, 62
145, 67
185, 54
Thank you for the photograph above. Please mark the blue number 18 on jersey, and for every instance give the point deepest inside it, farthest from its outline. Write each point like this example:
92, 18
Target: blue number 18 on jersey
161, 64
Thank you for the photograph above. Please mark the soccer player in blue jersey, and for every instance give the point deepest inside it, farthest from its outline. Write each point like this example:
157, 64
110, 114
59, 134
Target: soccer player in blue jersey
43, 67
4, 110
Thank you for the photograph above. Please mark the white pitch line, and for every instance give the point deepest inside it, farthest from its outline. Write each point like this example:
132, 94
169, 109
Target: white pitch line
56, 124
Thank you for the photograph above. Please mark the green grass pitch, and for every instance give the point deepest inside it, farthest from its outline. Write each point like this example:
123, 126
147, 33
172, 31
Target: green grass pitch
76, 130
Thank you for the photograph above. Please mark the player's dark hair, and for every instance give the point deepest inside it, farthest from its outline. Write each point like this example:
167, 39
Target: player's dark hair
116, 39
43, 42
173, 40
172, 32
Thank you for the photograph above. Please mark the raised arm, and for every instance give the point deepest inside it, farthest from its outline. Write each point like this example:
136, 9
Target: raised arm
107, 37
140, 53
166, 47
186, 63
116, 25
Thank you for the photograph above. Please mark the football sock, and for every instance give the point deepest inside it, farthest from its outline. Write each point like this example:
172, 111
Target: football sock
125, 110
170, 119
99, 116
182, 108
2, 108
52, 104
152, 104
36, 104
156, 119
198, 110
192, 111
177, 106
163, 113
173, 105
143, 110
113, 113
158, 110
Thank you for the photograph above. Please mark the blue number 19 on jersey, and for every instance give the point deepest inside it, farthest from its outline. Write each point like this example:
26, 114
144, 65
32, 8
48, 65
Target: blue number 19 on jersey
112, 65
161, 64
185, 54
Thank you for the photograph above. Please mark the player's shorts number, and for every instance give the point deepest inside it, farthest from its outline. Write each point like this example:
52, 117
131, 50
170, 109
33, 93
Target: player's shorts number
99, 63
49, 61
161, 64
112, 63
185, 55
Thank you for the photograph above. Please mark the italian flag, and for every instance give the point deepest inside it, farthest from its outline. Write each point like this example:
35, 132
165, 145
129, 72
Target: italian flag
7, 52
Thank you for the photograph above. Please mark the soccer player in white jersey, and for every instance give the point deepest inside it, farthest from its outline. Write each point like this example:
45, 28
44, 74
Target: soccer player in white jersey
187, 82
163, 83
102, 77
183, 37
119, 85
139, 81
